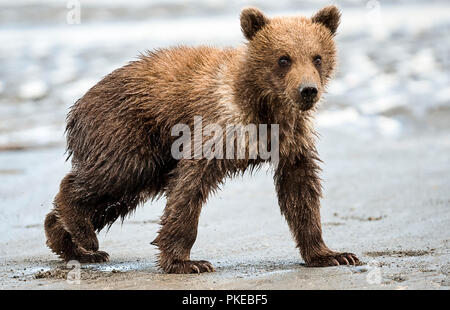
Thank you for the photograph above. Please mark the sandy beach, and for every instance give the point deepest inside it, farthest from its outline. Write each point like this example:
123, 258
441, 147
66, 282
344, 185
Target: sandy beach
392, 211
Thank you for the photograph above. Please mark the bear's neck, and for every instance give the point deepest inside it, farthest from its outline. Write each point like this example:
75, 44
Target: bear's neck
251, 99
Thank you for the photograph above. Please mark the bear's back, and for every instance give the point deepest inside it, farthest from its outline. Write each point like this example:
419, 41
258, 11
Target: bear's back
135, 104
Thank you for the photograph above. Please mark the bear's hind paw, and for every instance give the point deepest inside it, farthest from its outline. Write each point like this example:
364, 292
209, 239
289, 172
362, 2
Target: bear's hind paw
90, 257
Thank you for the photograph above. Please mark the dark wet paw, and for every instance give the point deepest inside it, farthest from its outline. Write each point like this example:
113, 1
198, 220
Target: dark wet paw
92, 257
190, 266
334, 259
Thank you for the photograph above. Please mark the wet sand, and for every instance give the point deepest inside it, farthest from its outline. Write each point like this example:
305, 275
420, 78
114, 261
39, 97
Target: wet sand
385, 199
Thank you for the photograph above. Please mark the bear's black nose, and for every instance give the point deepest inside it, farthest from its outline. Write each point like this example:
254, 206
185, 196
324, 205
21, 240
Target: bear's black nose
308, 92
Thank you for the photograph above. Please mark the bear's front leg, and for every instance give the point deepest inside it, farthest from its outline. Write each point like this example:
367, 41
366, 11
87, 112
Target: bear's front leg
299, 191
188, 189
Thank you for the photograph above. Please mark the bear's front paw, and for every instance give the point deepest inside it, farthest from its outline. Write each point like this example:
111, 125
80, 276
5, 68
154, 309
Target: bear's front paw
334, 259
189, 266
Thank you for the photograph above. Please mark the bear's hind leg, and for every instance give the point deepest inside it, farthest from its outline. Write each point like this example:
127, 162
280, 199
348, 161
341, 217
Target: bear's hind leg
61, 243
69, 230
58, 239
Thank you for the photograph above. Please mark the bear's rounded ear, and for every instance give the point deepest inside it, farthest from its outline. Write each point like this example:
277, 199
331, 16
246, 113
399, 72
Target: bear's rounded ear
329, 17
252, 20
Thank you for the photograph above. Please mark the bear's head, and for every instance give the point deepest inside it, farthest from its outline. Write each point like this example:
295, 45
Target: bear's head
290, 58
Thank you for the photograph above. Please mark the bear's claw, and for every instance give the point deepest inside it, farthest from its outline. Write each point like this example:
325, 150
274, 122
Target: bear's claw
334, 259
190, 266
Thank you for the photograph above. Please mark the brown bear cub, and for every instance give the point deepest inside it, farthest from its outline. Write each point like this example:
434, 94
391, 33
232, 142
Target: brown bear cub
119, 137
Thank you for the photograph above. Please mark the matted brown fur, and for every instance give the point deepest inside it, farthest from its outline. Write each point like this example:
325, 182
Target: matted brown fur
118, 135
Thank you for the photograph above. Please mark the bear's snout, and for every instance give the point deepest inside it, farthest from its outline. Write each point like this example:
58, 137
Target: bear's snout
308, 94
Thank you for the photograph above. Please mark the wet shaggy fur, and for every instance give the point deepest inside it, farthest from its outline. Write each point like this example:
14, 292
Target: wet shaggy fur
119, 138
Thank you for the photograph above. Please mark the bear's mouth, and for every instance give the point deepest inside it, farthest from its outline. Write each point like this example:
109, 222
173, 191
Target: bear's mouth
306, 105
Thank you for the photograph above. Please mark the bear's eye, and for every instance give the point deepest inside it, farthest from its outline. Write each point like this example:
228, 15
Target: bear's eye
317, 61
284, 61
